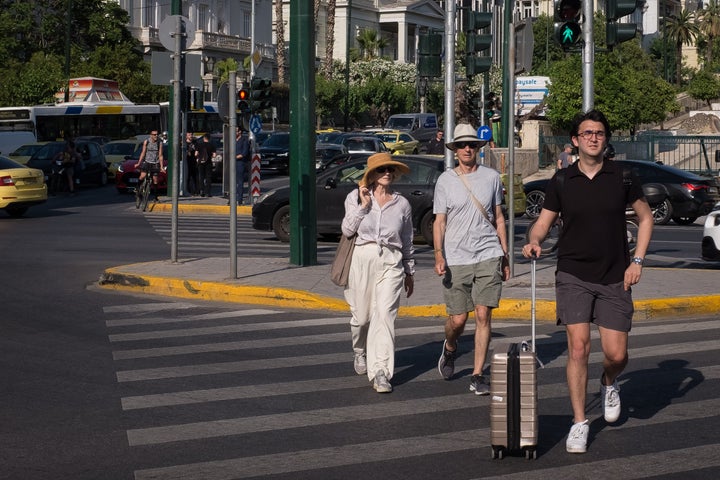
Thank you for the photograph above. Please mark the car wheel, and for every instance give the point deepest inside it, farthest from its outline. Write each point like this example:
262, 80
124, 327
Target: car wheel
533, 203
426, 226
16, 212
684, 220
281, 223
662, 212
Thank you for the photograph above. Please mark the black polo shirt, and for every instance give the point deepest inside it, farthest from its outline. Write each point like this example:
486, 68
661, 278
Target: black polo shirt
593, 243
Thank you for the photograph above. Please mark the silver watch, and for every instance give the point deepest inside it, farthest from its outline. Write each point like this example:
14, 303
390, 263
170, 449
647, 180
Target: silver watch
638, 260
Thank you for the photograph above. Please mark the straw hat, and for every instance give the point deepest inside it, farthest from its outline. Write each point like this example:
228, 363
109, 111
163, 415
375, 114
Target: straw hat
464, 132
379, 160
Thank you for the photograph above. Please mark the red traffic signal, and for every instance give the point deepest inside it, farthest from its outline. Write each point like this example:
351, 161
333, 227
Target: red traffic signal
243, 94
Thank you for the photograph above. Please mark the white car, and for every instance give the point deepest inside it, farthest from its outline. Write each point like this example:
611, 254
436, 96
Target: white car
711, 235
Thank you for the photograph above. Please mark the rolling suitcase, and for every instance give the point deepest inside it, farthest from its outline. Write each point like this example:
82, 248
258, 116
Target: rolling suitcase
513, 394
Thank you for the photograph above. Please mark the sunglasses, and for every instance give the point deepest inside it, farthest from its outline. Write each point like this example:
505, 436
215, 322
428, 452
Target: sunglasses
462, 145
385, 169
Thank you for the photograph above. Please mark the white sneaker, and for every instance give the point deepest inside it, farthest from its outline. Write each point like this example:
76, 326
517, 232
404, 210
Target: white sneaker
360, 364
610, 398
577, 438
381, 384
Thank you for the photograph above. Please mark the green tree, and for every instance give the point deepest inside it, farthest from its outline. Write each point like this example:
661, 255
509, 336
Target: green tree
681, 30
329, 99
371, 44
546, 50
709, 18
704, 86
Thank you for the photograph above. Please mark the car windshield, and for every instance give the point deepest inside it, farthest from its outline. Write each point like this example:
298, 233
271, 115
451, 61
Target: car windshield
277, 140
400, 123
388, 138
119, 148
6, 163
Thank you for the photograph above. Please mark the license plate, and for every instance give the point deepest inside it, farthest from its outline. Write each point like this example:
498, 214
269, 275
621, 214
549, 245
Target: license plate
132, 180
265, 162
712, 190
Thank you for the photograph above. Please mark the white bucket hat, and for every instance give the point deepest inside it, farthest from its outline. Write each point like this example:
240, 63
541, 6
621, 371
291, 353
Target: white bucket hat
464, 132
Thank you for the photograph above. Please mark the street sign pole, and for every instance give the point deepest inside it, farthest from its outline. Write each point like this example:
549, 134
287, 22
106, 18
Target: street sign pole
178, 85
230, 159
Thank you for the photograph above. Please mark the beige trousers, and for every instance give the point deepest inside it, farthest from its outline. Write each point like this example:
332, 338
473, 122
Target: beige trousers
375, 283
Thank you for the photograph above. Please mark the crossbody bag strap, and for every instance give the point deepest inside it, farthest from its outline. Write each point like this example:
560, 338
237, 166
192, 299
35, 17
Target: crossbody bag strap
474, 199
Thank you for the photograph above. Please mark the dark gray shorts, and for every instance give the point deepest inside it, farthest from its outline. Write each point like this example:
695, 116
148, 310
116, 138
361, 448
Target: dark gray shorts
608, 306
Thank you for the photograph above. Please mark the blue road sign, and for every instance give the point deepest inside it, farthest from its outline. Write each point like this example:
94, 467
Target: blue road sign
484, 133
255, 124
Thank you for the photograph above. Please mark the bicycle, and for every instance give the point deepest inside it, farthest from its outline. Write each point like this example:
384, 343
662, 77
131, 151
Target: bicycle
550, 243
142, 196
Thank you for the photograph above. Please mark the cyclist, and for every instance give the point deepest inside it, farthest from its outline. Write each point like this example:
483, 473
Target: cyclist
151, 161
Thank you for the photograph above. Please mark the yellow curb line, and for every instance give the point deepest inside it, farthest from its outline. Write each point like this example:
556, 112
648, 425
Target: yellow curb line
114, 279
166, 207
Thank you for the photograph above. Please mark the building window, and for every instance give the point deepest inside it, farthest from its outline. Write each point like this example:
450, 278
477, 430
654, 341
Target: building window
203, 17
147, 14
246, 25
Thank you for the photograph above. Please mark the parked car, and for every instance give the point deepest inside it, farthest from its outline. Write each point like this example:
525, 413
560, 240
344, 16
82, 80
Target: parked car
672, 193
422, 126
326, 152
23, 153
260, 138
272, 210
399, 142
711, 235
92, 170
21, 187
117, 151
275, 153
126, 179
217, 161
102, 140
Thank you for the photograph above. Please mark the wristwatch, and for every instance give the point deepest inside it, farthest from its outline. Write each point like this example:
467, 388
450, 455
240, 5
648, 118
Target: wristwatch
638, 260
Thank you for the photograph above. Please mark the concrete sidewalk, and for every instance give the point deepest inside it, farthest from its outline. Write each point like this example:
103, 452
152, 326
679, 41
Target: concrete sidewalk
661, 293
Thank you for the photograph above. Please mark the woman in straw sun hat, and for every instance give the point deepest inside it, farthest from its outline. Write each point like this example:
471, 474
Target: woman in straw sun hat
382, 266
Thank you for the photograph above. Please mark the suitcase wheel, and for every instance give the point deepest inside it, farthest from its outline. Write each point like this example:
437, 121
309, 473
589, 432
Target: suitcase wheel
530, 453
497, 452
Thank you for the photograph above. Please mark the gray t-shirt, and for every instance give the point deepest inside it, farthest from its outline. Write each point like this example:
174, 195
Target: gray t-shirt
469, 237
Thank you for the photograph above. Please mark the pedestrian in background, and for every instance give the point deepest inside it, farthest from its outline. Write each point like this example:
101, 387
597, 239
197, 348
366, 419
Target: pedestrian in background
566, 158
193, 184
436, 145
594, 272
242, 160
205, 153
470, 250
383, 265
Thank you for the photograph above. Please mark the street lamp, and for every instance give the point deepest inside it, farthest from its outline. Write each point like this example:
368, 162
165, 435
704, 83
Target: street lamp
209, 63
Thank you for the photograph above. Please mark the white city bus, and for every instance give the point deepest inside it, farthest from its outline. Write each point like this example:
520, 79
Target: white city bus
199, 121
56, 122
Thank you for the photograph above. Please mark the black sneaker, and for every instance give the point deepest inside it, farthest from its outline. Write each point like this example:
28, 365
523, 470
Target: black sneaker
446, 363
479, 385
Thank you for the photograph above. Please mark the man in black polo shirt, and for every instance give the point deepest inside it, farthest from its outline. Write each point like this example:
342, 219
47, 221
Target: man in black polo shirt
594, 268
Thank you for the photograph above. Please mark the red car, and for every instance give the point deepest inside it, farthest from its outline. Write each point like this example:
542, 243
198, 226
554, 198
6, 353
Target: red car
126, 179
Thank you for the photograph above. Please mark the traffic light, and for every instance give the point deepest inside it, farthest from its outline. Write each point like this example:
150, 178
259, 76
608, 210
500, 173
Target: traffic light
260, 94
196, 99
243, 99
567, 26
476, 42
429, 52
616, 33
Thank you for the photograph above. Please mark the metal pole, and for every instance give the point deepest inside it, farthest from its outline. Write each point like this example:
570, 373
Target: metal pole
348, 28
507, 113
450, 12
230, 159
178, 86
511, 150
588, 67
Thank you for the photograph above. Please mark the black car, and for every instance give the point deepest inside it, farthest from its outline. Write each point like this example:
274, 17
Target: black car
275, 153
272, 210
92, 170
672, 193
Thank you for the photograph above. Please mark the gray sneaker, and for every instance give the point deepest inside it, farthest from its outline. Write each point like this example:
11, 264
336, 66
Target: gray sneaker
446, 363
360, 364
479, 385
381, 384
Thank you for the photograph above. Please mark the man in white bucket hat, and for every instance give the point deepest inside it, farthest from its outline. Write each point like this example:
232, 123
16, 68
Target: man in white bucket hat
470, 245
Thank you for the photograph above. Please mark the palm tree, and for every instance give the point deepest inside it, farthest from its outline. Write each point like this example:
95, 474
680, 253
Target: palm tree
329, 38
681, 30
710, 25
370, 43
280, 34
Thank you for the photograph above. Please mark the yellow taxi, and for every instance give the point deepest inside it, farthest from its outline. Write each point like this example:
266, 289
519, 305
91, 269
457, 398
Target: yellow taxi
399, 142
20, 187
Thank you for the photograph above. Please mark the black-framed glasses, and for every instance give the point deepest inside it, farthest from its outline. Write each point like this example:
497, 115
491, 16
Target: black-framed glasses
387, 169
599, 134
462, 145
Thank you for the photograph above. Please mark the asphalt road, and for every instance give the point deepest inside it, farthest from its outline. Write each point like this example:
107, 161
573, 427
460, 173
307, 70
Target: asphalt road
101, 385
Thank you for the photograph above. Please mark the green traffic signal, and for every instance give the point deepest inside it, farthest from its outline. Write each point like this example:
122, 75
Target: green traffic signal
568, 34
